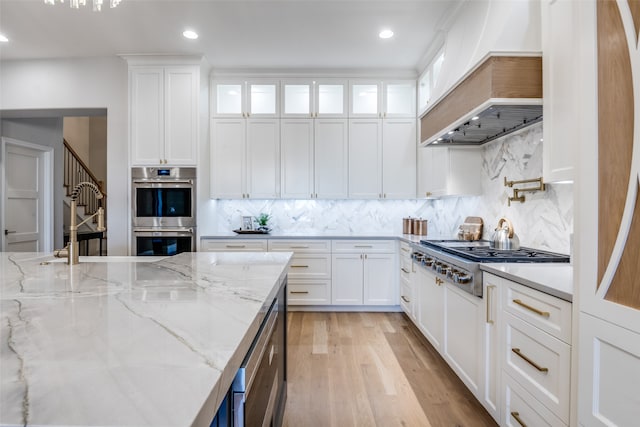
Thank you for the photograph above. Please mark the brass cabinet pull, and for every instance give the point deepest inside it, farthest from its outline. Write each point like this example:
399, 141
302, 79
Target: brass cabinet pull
299, 247
299, 266
516, 416
298, 292
404, 250
439, 281
489, 308
405, 299
529, 361
235, 246
405, 270
535, 310
362, 246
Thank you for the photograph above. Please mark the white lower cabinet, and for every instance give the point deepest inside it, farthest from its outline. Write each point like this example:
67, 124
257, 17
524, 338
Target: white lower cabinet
527, 351
463, 336
521, 409
233, 245
430, 307
408, 273
490, 397
309, 275
363, 272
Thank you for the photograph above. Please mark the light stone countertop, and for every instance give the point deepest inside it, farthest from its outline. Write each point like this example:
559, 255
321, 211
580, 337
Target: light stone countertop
551, 278
128, 342
409, 238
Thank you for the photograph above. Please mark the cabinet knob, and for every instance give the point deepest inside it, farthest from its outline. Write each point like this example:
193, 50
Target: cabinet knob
428, 194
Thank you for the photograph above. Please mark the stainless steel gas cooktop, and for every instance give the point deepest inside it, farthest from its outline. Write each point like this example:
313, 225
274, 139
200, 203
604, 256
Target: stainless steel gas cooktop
458, 261
480, 251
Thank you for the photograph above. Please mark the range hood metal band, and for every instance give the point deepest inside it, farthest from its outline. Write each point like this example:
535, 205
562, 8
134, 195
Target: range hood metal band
505, 92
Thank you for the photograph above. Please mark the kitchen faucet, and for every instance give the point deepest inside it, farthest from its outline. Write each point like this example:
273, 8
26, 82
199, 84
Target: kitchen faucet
71, 250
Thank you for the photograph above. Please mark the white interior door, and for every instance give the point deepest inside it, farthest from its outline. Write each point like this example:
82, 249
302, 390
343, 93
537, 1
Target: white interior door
25, 198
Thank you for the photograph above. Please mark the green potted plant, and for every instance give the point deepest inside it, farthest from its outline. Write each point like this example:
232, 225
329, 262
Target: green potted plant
263, 222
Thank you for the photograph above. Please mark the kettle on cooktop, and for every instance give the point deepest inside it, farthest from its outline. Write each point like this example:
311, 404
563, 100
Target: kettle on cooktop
504, 238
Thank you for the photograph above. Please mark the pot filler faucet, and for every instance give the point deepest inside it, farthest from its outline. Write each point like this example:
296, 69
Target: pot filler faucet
71, 251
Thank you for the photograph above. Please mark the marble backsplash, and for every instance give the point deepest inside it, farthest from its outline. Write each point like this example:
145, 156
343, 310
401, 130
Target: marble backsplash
544, 221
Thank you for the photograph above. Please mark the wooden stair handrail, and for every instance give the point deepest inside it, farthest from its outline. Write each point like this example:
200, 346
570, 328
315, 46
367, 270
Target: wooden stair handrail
86, 168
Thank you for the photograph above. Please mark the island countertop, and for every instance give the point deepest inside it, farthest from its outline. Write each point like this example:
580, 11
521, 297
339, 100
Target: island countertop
128, 342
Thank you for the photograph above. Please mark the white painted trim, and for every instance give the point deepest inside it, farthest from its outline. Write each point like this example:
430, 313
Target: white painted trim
47, 186
161, 59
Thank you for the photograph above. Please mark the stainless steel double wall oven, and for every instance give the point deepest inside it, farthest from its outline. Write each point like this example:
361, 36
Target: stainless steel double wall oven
163, 210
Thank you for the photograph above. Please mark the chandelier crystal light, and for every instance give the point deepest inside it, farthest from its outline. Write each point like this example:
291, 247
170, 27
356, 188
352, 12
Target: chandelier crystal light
97, 4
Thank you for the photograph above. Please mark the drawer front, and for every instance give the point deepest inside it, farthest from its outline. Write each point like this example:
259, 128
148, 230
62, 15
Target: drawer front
317, 292
308, 266
405, 250
540, 363
521, 409
252, 245
405, 267
300, 246
546, 312
363, 246
406, 297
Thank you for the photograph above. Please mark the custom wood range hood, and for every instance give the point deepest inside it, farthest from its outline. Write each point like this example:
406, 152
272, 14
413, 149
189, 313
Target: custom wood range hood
503, 94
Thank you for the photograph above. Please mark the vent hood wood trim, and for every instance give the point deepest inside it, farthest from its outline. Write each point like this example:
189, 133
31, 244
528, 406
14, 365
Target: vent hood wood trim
499, 80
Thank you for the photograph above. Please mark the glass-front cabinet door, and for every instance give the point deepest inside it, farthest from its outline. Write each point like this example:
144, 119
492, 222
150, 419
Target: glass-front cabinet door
228, 98
262, 98
244, 98
399, 99
330, 98
364, 97
297, 98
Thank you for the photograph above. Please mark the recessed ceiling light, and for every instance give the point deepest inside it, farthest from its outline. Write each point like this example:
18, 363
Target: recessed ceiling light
3, 38
475, 118
192, 35
450, 132
385, 34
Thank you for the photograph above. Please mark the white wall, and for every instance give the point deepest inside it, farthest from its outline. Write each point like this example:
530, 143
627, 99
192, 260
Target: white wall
81, 83
76, 132
46, 132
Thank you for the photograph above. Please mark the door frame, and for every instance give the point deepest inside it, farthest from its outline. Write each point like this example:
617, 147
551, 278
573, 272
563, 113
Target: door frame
46, 169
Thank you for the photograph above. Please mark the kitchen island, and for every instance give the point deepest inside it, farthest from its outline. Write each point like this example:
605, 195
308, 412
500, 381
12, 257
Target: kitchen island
126, 342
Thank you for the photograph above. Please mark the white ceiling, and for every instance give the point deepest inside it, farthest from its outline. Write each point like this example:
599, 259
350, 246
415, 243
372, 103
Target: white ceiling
299, 34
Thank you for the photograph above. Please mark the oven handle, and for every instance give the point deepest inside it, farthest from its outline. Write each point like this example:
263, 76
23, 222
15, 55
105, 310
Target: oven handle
163, 181
163, 230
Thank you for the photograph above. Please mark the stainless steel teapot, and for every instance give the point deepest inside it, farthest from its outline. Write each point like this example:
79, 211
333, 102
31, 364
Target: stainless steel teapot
503, 237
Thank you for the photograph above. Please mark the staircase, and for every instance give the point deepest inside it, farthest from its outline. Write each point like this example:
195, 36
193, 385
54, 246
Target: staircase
75, 172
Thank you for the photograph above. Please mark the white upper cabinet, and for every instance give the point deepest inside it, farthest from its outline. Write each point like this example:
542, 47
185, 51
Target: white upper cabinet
308, 98
382, 158
296, 145
382, 99
449, 171
331, 158
364, 99
255, 98
163, 108
559, 89
399, 99
399, 145
245, 158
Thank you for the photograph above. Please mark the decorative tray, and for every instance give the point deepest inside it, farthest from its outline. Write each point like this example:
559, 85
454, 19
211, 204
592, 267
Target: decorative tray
251, 231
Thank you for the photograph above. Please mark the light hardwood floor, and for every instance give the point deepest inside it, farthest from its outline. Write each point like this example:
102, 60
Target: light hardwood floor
371, 369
